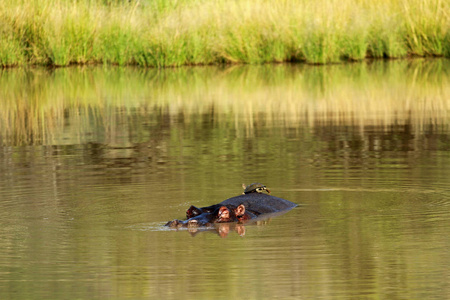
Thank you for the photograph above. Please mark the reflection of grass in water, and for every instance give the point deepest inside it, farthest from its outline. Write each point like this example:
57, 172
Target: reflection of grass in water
163, 33
36, 103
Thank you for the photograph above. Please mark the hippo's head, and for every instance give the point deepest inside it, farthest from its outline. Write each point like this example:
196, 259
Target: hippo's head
221, 214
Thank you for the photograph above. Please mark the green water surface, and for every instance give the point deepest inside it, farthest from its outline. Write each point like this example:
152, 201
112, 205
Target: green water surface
94, 161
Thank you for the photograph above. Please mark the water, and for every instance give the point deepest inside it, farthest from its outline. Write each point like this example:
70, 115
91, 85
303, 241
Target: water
94, 161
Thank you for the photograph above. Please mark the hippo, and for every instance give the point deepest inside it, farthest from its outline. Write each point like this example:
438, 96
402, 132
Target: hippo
238, 209
207, 216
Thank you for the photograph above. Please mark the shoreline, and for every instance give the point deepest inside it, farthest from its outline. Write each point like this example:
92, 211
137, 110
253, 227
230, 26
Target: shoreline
366, 60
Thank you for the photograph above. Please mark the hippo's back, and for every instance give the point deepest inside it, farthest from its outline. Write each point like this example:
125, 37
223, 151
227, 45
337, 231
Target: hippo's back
260, 203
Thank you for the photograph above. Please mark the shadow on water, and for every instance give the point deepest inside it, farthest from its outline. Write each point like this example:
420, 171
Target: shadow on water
94, 160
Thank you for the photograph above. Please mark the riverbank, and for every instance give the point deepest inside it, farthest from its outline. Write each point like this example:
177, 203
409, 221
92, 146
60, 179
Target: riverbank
196, 32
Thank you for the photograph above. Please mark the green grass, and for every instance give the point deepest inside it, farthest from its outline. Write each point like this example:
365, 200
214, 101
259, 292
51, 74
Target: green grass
160, 33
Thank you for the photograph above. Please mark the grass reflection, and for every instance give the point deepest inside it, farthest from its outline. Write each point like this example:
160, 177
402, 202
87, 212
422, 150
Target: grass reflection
41, 106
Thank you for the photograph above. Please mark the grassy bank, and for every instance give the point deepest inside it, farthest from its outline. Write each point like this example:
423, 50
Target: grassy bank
160, 33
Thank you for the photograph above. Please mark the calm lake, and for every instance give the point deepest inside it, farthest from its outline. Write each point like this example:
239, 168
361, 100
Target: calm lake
95, 160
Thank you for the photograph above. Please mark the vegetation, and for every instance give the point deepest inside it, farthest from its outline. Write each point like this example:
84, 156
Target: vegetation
160, 33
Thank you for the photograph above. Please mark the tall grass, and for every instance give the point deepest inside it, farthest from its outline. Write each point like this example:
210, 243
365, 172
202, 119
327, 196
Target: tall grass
160, 33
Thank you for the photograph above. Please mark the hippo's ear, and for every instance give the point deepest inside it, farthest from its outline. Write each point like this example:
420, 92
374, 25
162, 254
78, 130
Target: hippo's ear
223, 215
223, 210
240, 210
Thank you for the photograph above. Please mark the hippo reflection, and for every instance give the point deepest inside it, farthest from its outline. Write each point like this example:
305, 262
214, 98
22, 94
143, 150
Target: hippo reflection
239, 209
